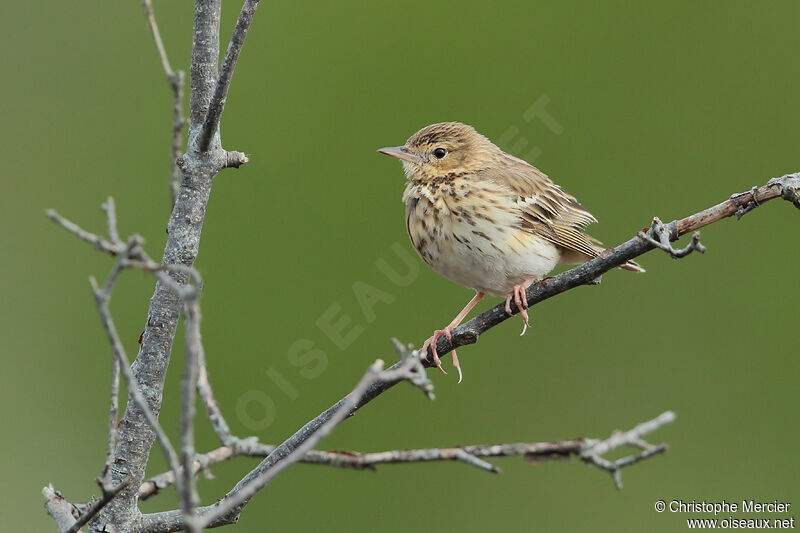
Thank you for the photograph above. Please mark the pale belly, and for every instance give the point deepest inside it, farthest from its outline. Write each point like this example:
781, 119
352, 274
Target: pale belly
480, 248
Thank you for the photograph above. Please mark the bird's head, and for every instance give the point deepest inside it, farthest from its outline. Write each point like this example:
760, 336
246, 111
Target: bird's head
441, 149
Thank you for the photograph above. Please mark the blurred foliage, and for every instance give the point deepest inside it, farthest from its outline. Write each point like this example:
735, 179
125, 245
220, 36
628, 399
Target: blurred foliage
664, 109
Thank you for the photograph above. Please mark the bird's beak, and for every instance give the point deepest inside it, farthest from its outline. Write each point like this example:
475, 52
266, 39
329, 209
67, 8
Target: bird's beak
401, 152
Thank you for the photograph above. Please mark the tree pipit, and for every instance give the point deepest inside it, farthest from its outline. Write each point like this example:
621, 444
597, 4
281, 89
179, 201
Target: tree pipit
486, 219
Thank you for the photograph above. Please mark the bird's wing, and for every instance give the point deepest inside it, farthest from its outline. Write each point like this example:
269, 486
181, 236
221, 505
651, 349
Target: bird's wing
545, 208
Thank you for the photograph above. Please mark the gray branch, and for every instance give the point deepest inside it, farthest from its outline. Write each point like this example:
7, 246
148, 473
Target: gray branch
469, 332
211, 121
786, 187
194, 349
197, 170
660, 236
593, 451
70, 518
177, 81
474, 455
227, 510
60, 510
132, 255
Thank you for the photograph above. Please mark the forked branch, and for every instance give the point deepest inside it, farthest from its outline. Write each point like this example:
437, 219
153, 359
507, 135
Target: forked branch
217, 105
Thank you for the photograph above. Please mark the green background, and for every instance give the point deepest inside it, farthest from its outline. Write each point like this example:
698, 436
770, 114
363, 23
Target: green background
664, 109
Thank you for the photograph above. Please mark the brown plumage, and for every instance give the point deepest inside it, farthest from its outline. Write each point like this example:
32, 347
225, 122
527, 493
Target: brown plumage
486, 219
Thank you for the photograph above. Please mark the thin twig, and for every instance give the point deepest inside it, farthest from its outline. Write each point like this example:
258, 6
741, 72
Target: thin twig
110, 209
213, 411
215, 108
71, 518
594, 450
132, 255
102, 299
194, 349
227, 510
534, 452
162, 52
410, 369
660, 236
113, 413
588, 450
97, 505
177, 81
59, 509
113, 409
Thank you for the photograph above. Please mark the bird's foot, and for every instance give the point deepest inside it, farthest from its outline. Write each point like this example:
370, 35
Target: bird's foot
431, 343
521, 299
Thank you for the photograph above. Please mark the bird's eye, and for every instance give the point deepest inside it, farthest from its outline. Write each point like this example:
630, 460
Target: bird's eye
439, 153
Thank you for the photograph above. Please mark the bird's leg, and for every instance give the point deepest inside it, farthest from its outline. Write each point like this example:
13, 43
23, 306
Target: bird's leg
521, 299
447, 332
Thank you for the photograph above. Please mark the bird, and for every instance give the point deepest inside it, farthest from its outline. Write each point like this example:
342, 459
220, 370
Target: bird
487, 220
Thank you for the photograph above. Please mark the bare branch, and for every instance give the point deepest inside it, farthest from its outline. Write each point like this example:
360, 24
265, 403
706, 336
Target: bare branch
110, 209
194, 349
71, 518
179, 122
235, 159
203, 462
95, 240
408, 369
197, 169
217, 104
162, 52
177, 81
227, 510
129, 255
784, 187
102, 297
113, 412
218, 422
60, 510
659, 236
93, 508
113, 409
468, 333
589, 450
594, 450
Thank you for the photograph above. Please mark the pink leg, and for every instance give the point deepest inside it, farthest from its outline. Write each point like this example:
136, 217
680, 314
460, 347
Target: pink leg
521, 299
447, 332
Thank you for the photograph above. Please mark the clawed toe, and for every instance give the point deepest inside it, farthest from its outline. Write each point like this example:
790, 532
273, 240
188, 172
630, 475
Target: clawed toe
521, 300
431, 343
